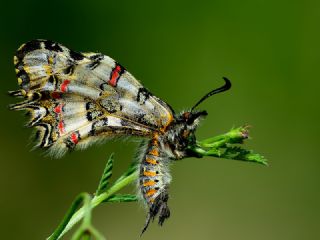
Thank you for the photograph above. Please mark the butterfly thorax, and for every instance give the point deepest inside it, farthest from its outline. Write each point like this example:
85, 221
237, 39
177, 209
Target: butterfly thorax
181, 134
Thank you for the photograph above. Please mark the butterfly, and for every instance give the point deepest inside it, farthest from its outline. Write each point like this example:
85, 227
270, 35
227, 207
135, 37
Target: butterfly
76, 99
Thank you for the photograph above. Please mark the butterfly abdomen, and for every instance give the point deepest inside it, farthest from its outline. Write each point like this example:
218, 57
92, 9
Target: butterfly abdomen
154, 180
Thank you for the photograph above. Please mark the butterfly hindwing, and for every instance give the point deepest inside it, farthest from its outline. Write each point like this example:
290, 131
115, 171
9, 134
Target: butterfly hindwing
75, 98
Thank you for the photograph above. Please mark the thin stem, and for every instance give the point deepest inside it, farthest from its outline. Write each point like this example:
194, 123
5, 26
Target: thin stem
75, 205
221, 146
78, 215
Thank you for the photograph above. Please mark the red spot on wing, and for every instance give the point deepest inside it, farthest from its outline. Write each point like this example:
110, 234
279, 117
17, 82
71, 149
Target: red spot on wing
64, 85
74, 138
61, 127
115, 75
58, 109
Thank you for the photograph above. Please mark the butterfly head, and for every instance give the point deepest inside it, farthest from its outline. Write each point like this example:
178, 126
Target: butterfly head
182, 133
189, 120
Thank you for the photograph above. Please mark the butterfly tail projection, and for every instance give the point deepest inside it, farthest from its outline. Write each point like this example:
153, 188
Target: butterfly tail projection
154, 180
59, 123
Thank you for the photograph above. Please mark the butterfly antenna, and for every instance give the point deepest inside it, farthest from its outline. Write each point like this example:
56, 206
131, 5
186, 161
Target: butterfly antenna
225, 87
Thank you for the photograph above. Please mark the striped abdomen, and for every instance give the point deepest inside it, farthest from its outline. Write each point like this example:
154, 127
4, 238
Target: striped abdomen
154, 179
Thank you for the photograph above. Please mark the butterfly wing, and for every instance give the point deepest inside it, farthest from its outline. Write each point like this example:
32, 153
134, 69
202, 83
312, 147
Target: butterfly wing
76, 98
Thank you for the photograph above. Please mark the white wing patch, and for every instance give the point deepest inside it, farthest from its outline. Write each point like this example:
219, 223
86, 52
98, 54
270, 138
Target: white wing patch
75, 98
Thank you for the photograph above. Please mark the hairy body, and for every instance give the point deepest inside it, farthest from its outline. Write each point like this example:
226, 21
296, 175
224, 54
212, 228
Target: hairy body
75, 99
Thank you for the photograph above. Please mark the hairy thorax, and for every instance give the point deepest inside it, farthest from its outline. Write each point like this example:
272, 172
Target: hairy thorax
176, 139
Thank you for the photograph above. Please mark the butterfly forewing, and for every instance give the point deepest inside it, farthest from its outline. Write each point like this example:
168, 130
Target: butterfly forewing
76, 98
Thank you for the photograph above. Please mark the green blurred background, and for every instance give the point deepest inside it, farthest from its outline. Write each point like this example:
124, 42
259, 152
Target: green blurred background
180, 50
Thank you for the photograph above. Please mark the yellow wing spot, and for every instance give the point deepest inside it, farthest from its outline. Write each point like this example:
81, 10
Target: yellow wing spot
151, 192
149, 174
21, 46
50, 60
54, 136
49, 119
19, 81
151, 161
15, 60
29, 95
48, 69
170, 119
27, 69
149, 183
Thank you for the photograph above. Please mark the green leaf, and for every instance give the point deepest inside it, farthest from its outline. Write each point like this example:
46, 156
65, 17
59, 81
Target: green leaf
225, 146
83, 198
238, 153
96, 201
234, 136
87, 233
107, 173
122, 198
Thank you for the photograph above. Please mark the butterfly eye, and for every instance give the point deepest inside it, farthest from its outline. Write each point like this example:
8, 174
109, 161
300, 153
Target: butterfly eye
191, 117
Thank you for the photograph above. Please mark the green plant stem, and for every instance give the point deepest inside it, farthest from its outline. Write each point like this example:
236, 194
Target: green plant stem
95, 201
75, 205
86, 230
221, 146
227, 146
